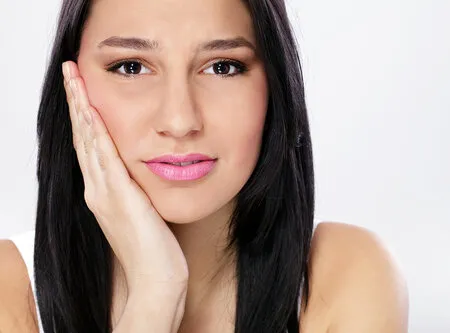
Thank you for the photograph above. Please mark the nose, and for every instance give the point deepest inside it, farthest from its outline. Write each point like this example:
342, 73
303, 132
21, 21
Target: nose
178, 116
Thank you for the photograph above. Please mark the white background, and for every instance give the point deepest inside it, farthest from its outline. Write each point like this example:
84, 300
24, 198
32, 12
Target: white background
377, 76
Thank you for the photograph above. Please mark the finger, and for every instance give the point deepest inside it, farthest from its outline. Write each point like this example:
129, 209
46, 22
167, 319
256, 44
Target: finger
108, 157
77, 126
85, 145
102, 152
71, 105
76, 130
86, 151
83, 114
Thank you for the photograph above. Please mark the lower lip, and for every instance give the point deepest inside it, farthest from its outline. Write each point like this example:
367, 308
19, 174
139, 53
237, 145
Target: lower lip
187, 172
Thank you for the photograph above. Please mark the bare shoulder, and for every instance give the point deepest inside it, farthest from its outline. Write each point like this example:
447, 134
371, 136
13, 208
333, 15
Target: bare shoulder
356, 285
17, 307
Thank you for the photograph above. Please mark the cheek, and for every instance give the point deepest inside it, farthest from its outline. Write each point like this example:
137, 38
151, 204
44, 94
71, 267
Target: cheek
243, 145
233, 114
115, 110
103, 99
242, 134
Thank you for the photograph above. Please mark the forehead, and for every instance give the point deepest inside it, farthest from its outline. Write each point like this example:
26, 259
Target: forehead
169, 20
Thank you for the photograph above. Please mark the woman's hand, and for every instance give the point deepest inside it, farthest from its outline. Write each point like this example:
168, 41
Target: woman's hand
147, 250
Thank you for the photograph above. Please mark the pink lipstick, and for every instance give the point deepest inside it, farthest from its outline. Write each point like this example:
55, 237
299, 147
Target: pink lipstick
182, 167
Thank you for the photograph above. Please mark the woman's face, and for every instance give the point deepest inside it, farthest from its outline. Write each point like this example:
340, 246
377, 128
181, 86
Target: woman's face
174, 99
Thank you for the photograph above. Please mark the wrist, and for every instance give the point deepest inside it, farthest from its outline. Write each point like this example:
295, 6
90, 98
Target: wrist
160, 294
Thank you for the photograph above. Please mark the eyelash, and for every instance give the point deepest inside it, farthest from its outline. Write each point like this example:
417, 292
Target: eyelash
240, 67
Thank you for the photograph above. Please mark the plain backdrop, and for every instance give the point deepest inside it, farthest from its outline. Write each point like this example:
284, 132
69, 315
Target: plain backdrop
377, 77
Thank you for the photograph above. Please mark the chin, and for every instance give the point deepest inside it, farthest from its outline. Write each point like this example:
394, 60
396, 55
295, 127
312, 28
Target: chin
182, 214
209, 199
187, 212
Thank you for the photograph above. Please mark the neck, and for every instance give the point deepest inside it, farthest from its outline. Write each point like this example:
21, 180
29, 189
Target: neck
211, 268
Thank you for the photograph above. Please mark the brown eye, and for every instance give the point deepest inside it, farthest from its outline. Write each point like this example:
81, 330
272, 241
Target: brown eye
226, 68
221, 68
132, 67
127, 68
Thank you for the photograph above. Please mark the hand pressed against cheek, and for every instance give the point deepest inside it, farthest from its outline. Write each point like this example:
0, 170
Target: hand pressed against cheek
178, 103
232, 113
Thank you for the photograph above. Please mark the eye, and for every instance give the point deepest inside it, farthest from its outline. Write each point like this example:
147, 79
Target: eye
128, 68
223, 68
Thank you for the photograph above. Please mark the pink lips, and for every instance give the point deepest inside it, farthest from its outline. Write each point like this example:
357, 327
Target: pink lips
163, 166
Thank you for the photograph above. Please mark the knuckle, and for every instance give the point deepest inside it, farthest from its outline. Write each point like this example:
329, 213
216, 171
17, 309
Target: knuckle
88, 139
102, 159
85, 147
100, 154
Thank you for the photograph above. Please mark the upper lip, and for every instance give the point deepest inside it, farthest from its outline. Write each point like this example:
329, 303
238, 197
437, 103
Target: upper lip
169, 158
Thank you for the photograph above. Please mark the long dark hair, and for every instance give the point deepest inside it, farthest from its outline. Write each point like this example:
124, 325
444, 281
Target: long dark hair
270, 229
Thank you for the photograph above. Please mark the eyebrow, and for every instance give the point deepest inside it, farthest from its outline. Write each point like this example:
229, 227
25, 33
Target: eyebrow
136, 43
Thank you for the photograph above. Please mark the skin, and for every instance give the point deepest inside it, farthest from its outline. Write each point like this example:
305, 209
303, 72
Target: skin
178, 104
356, 286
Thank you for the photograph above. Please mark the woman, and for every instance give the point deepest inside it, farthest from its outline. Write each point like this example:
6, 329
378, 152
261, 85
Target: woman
176, 184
